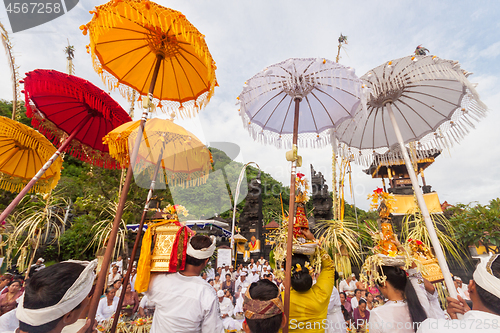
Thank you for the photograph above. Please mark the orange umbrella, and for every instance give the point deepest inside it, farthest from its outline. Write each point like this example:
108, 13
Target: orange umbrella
158, 52
24, 151
130, 38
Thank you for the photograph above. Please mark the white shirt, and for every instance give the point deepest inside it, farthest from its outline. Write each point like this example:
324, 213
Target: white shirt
104, 311
146, 303
473, 321
347, 287
184, 304
226, 307
427, 300
210, 273
354, 303
336, 323
243, 284
9, 321
392, 317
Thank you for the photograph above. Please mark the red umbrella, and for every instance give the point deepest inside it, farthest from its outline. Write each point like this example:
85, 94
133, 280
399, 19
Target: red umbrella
74, 114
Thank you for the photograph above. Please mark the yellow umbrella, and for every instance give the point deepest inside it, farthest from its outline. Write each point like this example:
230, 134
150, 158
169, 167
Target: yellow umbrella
24, 151
156, 51
129, 38
185, 159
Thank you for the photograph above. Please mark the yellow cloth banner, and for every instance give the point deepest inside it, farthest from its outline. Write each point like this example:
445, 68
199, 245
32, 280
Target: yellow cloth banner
406, 204
144, 265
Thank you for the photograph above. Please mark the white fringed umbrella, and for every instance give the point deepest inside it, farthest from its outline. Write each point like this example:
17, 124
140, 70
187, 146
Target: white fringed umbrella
270, 108
330, 93
417, 98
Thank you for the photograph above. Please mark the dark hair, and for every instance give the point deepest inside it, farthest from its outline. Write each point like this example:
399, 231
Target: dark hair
345, 313
342, 293
198, 242
379, 297
46, 288
489, 300
217, 274
17, 281
399, 280
356, 290
264, 290
227, 274
301, 281
361, 301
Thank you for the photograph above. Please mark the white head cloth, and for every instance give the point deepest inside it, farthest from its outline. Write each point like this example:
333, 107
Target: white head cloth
203, 253
220, 293
483, 276
71, 299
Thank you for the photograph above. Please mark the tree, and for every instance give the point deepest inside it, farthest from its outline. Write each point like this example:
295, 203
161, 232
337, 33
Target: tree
478, 225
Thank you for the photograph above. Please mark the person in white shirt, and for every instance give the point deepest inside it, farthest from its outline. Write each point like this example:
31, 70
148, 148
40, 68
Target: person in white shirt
242, 281
55, 297
262, 260
107, 305
119, 263
210, 271
484, 291
347, 286
462, 289
355, 299
184, 301
336, 322
114, 275
226, 311
402, 313
427, 294
146, 307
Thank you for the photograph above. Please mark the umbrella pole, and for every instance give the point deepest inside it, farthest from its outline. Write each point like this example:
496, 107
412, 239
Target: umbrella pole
423, 208
40, 172
121, 204
291, 218
126, 279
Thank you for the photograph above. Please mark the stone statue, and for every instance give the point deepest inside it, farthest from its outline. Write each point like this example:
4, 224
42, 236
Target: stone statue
321, 199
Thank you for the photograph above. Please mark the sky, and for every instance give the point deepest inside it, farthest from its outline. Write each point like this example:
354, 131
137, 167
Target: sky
245, 37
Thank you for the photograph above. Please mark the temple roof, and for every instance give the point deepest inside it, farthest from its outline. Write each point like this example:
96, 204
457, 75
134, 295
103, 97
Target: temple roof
393, 159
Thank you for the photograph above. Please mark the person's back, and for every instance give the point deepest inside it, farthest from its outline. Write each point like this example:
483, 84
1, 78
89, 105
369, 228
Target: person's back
182, 302
185, 303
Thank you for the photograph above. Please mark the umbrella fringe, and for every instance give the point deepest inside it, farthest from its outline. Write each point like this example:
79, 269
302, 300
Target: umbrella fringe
166, 19
15, 184
76, 149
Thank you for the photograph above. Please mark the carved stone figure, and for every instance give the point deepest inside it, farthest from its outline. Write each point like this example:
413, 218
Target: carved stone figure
321, 198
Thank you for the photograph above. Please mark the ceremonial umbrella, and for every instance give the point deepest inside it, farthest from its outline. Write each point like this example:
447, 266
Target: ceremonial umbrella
24, 151
137, 43
163, 145
269, 108
425, 99
72, 112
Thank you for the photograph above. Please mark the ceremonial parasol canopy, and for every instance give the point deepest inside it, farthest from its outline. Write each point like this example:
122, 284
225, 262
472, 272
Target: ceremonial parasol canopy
270, 107
61, 104
182, 156
425, 99
73, 113
131, 39
330, 92
24, 151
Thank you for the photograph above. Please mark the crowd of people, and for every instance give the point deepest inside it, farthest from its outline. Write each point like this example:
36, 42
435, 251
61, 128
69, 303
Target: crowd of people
249, 299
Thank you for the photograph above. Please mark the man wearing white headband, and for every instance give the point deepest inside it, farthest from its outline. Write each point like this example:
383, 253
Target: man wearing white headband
184, 301
484, 290
55, 297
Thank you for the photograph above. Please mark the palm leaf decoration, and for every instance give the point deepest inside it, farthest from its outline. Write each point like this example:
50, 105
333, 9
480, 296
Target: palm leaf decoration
102, 229
340, 239
40, 222
414, 228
